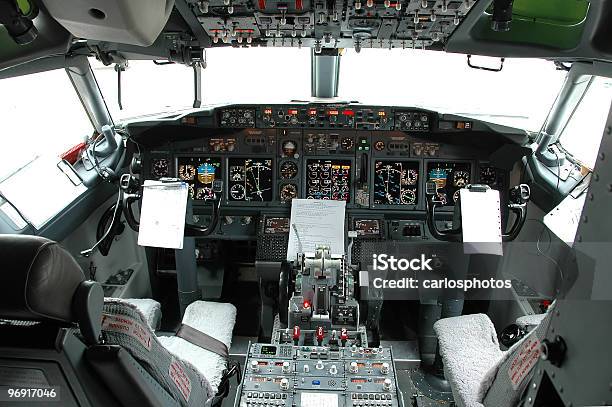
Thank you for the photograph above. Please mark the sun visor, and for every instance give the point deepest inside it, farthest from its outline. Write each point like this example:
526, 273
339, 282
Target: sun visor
135, 22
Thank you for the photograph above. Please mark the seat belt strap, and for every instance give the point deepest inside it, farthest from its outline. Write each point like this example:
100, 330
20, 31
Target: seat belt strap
202, 340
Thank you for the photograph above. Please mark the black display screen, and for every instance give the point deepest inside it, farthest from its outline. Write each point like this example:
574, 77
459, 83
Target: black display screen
449, 178
396, 182
268, 350
328, 179
250, 179
199, 173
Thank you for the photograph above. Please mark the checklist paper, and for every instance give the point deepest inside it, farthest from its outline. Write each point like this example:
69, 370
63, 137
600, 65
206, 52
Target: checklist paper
162, 216
481, 222
316, 222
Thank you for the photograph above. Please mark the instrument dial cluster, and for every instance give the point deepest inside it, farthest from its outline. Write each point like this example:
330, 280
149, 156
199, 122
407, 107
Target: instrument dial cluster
396, 182
450, 177
328, 179
250, 179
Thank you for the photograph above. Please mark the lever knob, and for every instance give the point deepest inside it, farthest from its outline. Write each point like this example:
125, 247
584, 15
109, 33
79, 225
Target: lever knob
320, 335
296, 334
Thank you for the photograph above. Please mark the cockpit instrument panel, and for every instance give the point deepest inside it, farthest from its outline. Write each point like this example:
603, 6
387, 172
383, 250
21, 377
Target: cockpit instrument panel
328, 179
199, 173
250, 179
450, 177
396, 182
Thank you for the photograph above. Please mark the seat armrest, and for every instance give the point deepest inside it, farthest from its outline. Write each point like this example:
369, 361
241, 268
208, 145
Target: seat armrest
529, 322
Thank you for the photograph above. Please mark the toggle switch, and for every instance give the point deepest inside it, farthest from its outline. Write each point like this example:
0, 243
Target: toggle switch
306, 368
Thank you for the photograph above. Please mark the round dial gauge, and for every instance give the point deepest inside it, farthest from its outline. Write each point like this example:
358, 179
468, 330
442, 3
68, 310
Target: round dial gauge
442, 198
237, 173
488, 176
410, 178
237, 192
408, 197
203, 193
346, 143
288, 192
288, 170
160, 168
187, 172
289, 148
461, 178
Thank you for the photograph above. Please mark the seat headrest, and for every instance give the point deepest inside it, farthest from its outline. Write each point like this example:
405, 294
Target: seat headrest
38, 279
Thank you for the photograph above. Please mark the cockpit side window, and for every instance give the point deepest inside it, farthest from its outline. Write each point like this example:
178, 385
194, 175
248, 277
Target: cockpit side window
42, 118
582, 134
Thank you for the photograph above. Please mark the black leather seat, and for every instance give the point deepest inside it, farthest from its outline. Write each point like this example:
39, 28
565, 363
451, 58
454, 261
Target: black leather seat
51, 335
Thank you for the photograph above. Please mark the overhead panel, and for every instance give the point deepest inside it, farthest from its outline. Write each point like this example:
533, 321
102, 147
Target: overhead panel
332, 23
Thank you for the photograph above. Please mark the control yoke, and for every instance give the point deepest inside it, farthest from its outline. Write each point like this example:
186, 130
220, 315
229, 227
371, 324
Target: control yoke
131, 192
518, 198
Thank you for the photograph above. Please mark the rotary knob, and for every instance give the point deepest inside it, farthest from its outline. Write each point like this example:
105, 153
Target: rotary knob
284, 384
333, 370
254, 366
319, 365
286, 367
387, 385
354, 368
384, 369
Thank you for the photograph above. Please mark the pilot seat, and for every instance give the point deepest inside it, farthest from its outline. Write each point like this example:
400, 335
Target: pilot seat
57, 329
478, 371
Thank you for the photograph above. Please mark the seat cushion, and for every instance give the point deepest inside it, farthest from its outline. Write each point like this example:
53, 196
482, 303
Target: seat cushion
214, 319
469, 348
150, 308
123, 324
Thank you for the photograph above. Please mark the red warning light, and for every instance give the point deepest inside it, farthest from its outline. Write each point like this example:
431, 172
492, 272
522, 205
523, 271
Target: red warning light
306, 304
292, 111
267, 111
312, 112
348, 113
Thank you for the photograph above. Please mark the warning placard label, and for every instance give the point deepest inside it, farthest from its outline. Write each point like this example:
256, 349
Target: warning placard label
180, 378
129, 326
524, 361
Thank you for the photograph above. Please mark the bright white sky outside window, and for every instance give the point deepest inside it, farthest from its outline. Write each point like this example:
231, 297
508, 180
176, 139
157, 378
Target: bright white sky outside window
521, 95
582, 135
41, 117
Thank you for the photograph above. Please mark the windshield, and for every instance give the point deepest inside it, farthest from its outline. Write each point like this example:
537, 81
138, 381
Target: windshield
519, 96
